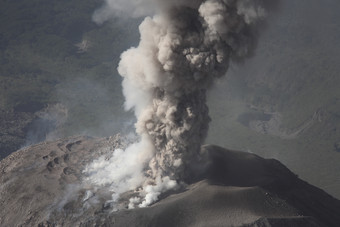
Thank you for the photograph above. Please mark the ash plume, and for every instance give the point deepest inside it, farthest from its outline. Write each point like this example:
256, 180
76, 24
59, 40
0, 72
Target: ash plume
182, 49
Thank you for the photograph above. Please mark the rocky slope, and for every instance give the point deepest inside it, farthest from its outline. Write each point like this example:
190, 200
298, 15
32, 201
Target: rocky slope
53, 53
43, 185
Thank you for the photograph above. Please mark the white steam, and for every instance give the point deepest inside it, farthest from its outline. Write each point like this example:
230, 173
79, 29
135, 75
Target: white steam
182, 50
124, 170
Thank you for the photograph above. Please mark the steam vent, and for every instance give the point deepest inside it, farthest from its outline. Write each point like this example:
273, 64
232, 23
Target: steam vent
44, 184
109, 112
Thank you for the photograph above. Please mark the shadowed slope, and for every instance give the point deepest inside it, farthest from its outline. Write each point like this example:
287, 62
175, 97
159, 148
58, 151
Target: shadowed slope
42, 183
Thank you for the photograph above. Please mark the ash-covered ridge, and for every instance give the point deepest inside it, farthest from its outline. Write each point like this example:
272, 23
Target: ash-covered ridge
45, 185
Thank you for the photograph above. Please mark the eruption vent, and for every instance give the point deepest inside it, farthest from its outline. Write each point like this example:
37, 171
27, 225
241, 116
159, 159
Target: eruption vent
183, 48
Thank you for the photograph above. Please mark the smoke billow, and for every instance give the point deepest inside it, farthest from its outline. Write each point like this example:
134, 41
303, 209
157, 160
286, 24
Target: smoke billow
183, 48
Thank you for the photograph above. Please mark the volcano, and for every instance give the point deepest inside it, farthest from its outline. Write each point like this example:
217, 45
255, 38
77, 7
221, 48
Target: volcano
43, 185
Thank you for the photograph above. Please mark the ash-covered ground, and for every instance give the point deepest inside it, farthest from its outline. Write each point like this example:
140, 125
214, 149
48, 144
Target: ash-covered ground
45, 185
158, 177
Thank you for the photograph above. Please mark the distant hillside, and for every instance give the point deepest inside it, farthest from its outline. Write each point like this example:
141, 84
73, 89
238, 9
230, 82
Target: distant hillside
51, 53
285, 101
58, 78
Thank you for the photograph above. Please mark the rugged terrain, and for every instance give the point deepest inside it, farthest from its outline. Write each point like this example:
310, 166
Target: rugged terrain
282, 103
55, 55
44, 185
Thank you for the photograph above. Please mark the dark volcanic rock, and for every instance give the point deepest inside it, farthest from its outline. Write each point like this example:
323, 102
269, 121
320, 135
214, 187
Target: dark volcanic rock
42, 186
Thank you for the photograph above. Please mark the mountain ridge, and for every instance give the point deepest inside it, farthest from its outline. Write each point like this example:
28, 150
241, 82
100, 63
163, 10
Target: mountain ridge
43, 183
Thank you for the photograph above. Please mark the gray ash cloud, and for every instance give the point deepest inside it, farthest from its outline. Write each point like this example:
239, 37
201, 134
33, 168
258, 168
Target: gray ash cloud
183, 48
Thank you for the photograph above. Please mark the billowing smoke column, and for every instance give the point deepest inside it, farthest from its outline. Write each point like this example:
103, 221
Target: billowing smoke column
166, 77
183, 48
